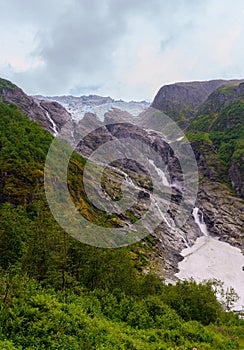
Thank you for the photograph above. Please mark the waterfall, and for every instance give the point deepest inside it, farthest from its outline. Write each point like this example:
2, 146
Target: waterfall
161, 213
53, 125
199, 220
130, 183
160, 173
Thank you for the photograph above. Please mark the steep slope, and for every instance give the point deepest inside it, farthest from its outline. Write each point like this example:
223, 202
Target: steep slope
50, 115
222, 97
181, 100
220, 207
58, 293
219, 123
28, 229
215, 198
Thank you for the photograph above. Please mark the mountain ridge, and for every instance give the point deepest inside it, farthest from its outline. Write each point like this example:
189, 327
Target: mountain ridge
193, 92
181, 101
99, 105
215, 197
50, 115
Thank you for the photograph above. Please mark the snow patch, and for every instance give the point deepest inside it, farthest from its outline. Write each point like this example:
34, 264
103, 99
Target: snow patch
209, 259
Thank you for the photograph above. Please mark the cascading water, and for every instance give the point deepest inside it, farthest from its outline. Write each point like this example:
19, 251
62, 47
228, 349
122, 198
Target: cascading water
154, 198
53, 125
131, 186
199, 220
160, 173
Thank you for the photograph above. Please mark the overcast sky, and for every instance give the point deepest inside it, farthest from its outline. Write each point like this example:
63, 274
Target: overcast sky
123, 48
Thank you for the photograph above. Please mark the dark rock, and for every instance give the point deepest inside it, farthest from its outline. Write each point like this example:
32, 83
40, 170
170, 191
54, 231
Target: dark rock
221, 98
181, 100
50, 115
237, 178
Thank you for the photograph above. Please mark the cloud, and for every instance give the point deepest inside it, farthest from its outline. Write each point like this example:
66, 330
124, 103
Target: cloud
123, 48
84, 90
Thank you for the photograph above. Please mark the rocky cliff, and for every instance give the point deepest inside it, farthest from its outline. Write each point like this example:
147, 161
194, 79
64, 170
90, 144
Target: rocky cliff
181, 100
50, 115
219, 205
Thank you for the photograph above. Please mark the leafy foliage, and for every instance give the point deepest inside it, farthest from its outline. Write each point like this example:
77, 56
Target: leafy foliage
37, 318
57, 293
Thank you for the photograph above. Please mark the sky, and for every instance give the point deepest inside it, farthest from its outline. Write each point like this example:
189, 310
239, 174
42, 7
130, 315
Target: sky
126, 49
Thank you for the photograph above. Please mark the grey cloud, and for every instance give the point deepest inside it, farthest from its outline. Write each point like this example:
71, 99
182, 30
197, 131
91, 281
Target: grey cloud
78, 41
167, 42
78, 45
176, 34
83, 90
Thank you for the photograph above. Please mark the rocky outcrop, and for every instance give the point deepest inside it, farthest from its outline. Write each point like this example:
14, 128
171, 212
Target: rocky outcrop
74, 100
237, 178
223, 212
181, 101
221, 98
221, 208
50, 115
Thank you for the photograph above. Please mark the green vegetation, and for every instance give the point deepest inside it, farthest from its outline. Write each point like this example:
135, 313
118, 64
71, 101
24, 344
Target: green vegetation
57, 293
222, 134
228, 89
36, 318
6, 84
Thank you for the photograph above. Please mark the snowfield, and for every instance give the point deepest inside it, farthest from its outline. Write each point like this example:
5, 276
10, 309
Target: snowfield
210, 258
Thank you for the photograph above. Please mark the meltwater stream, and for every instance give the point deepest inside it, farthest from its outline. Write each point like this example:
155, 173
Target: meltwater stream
210, 259
53, 125
199, 220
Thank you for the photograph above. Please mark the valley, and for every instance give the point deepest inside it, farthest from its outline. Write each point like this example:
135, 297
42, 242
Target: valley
190, 182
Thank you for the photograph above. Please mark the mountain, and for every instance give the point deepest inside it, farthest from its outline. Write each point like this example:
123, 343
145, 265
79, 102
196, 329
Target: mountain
181, 100
57, 292
219, 120
215, 196
98, 105
50, 115
214, 108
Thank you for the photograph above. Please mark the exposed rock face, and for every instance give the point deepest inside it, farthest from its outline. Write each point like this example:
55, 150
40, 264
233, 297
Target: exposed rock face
191, 94
237, 179
223, 212
181, 100
221, 208
50, 115
221, 98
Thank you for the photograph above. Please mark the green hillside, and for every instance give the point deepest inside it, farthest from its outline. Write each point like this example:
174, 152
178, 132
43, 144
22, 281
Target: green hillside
218, 132
57, 293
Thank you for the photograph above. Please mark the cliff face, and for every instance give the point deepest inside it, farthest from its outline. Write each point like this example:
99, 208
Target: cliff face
50, 115
192, 93
214, 133
213, 114
220, 206
181, 101
222, 97
220, 118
